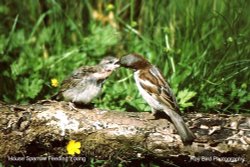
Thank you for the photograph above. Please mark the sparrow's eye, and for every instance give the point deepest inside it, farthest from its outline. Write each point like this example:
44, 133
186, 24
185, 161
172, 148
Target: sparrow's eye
108, 61
112, 62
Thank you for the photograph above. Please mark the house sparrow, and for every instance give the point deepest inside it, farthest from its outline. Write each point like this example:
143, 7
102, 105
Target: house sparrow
86, 82
156, 92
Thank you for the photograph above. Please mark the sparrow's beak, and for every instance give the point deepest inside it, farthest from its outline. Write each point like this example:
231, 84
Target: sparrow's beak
123, 62
112, 66
117, 63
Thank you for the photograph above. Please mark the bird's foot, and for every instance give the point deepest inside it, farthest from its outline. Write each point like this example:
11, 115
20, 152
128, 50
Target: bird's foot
72, 107
77, 106
150, 117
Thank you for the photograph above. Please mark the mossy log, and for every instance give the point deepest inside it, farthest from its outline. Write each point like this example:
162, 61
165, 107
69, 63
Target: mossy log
43, 129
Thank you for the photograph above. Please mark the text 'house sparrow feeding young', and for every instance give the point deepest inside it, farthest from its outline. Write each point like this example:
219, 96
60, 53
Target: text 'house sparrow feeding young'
86, 82
156, 92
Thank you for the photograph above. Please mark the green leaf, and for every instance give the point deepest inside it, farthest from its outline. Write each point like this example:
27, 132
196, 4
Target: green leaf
29, 88
184, 98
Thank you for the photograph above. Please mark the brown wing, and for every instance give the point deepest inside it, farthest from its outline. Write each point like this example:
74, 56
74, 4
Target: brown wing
157, 85
85, 71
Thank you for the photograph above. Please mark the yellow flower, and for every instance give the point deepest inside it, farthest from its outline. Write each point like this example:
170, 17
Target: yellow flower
54, 82
73, 147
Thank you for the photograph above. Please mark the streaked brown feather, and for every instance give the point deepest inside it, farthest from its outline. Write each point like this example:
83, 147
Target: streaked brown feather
166, 96
76, 77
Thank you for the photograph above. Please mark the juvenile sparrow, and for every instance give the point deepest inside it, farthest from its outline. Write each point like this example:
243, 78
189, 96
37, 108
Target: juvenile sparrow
86, 82
156, 92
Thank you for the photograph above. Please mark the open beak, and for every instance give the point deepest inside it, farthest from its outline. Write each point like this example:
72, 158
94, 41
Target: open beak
117, 63
113, 66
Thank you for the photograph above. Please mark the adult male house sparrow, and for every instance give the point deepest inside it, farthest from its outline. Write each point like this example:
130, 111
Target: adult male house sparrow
156, 92
86, 82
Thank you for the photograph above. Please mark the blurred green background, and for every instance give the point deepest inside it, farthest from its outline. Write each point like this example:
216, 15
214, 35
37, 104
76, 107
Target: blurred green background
202, 48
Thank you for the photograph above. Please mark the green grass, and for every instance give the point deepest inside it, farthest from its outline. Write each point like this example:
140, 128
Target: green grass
202, 48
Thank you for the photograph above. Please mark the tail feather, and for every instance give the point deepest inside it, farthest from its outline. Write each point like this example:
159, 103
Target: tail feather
185, 133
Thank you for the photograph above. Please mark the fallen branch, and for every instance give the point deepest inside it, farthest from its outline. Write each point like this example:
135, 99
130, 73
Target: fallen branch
44, 129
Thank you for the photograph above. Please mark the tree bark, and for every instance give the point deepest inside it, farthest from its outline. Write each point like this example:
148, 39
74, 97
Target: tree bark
45, 128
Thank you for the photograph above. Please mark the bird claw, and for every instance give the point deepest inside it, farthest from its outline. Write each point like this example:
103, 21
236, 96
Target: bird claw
72, 107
